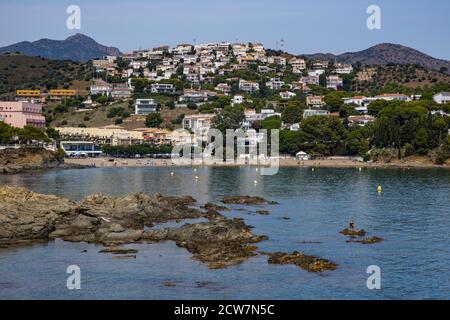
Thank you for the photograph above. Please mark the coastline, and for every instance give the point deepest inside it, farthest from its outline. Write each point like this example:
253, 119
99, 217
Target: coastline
283, 162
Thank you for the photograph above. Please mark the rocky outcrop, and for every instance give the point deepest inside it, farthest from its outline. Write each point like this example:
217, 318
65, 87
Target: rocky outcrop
306, 262
25, 215
247, 200
30, 159
118, 250
353, 233
218, 242
370, 240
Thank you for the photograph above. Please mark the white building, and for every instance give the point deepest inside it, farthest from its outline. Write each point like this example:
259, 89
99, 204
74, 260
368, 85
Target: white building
314, 112
297, 65
310, 80
237, 99
145, 106
360, 120
442, 97
287, 95
277, 60
334, 82
81, 149
163, 88
316, 73
342, 68
393, 96
248, 86
275, 84
198, 123
103, 90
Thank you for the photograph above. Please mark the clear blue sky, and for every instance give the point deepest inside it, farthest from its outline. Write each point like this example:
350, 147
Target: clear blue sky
307, 26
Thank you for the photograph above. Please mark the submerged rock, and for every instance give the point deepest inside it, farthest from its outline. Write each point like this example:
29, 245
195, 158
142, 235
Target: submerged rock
306, 262
215, 207
247, 200
370, 240
353, 233
125, 257
118, 250
263, 212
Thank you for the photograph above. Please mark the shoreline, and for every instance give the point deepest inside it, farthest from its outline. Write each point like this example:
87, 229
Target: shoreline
283, 162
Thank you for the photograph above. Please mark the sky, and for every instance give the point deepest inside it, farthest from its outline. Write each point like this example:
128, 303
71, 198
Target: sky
306, 26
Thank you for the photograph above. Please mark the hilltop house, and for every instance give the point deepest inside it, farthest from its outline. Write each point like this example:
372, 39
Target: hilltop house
145, 106
275, 84
314, 112
342, 68
334, 82
442, 97
315, 101
248, 86
163, 88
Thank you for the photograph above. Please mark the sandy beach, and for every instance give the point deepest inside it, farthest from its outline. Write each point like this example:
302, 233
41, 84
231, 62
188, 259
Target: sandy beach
283, 162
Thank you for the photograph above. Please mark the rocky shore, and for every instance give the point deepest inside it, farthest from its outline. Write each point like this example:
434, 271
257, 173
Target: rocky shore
219, 242
26, 216
31, 159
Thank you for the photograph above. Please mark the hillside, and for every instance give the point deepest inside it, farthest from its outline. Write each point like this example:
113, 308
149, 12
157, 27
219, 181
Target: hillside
374, 78
386, 53
23, 72
77, 48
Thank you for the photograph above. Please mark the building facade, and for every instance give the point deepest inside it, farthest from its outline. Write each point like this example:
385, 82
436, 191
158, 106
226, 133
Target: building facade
145, 106
20, 114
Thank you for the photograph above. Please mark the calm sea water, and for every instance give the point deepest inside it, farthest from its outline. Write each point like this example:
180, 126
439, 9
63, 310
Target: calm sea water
412, 214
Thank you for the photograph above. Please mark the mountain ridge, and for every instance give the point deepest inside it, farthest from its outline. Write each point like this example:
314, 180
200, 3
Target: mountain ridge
383, 54
77, 47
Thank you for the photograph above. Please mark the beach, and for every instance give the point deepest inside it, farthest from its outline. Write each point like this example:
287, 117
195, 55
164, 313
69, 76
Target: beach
283, 162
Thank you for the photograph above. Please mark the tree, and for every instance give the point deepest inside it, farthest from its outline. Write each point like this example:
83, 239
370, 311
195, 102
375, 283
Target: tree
357, 141
54, 134
324, 135
292, 114
153, 120
7, 133
270, 123
29, 134
376, 106
103, 100
171, 105
443, 153
229, 118
399, 124
192, 106
334, 100
289, 141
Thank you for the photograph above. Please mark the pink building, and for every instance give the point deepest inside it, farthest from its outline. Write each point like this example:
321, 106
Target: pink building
21, 114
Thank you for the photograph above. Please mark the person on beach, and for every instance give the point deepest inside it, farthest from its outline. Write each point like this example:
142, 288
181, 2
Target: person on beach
351, 225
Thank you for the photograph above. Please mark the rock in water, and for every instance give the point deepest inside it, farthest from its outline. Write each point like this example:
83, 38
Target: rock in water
353, 233
306, 262
118, 250
25, 215
28, 216
247, 200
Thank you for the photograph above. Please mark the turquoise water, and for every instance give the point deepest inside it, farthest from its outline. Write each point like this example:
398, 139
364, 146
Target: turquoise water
412, 214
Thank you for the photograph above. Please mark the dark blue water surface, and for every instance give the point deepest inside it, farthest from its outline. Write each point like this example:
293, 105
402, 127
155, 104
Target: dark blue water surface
412, 214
